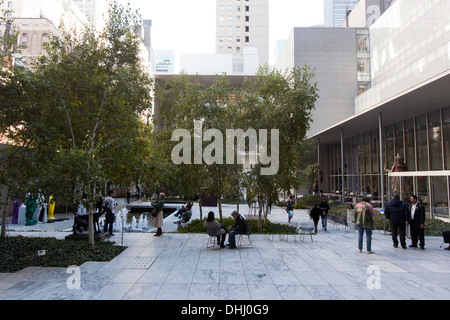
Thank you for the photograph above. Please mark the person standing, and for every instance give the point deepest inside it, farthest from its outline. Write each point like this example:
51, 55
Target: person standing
351, 217
364, 219
315, 215
109, 212
398, 214
157, 221
128, 195
240, 227
290, 208
324, 207
417, 223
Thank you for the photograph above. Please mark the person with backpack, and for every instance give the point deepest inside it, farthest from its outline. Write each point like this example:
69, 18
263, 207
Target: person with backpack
364, 219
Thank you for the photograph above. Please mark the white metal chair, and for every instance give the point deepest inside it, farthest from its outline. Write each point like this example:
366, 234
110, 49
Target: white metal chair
306, 228
241, 235
212, 242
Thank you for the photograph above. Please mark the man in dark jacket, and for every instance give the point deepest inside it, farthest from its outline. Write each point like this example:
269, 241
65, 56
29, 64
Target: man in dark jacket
240, 227
398, 214
417, 223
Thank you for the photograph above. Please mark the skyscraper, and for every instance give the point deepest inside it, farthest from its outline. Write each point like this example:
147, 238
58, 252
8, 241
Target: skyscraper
335, 11
243, 24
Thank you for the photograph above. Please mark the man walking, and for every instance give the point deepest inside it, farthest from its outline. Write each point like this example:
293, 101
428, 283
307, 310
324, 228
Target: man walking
398, 214
364, 219
417, 223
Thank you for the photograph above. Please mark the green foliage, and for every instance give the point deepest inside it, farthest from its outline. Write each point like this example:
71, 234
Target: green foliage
196, 226
20, 252
310, 199
435, 227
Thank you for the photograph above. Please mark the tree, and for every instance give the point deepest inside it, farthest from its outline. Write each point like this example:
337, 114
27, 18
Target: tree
77, 110
283, 101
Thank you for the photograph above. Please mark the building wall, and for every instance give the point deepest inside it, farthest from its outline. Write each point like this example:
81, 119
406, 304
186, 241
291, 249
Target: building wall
243, 24
332, 52
410, 46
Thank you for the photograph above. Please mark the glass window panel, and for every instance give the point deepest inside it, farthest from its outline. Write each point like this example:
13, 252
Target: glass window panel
435, 137
367, 157
440, 197
410, 145
389, 145
422, 192
374, 151
361, 154
446, 136
398, 138
422, 149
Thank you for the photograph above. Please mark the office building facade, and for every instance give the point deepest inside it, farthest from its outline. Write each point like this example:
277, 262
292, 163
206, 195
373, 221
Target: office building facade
243, 24
335, 11
398, 139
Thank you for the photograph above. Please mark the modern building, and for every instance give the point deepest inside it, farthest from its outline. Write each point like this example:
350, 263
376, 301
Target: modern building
242, 24
335, 11
164, 61
402, 117
95, 11
332, 54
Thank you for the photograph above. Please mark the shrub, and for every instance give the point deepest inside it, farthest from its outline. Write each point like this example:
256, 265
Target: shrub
196, 226
20, 252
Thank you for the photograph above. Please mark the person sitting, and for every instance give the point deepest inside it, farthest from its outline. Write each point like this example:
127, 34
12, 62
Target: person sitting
181, 211
240, 227
214, 228
186, 215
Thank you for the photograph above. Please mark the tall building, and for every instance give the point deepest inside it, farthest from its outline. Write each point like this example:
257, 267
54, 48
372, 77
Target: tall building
243, 24
94, 10
335, 11
397, 138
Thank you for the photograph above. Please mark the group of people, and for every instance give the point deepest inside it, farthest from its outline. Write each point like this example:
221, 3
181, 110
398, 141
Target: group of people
215, 228
400, 216
362, 215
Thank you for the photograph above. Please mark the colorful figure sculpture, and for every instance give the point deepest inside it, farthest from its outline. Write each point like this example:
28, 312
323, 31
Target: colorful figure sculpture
17, 204
31, 205
51, 208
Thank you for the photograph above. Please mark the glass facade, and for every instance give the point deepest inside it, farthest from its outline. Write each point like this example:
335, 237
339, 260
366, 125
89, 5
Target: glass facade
422, 143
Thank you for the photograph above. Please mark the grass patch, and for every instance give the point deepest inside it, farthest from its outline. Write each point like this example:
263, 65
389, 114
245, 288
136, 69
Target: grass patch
20, 252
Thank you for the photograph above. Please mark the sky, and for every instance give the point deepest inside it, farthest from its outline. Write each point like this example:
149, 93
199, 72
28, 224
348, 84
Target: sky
188, 26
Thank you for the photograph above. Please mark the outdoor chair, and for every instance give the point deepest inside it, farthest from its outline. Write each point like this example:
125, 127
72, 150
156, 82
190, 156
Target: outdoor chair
242, 235
212, 240
306, 228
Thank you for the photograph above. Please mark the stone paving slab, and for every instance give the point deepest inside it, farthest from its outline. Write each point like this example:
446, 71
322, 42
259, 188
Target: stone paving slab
179, 267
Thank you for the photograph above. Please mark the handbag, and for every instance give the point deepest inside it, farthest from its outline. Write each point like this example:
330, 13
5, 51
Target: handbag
154, 213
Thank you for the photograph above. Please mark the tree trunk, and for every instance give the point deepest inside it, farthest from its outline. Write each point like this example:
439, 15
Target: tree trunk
220, 206
4, 214
200, 207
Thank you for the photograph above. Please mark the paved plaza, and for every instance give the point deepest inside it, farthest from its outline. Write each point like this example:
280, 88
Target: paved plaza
180, 267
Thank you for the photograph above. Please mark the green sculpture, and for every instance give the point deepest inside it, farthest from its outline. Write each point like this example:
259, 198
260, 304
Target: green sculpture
31, 206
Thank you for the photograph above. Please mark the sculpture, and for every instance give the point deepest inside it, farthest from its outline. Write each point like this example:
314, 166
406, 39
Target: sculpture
51, 208
31, 205
398, 166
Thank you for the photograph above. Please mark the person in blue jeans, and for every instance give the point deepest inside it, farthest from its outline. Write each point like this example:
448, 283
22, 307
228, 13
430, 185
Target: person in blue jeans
364, 215
240, 227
